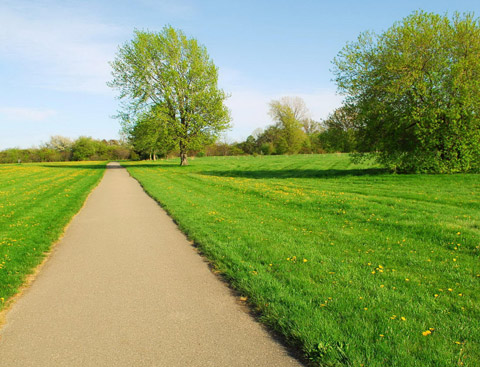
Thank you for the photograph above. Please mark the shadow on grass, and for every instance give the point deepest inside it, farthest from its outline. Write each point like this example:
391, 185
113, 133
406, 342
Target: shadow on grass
154, 165
78, 166
298, 173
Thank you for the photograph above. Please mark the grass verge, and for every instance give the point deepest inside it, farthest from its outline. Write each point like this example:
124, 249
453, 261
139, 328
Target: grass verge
36, 203
353, 265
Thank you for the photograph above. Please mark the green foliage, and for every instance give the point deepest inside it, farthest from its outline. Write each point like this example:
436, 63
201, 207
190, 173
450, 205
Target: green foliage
60, 149
149, 135
289, 113
339, 131
83, 149
378, 247
415, 90
36, 203
171, 78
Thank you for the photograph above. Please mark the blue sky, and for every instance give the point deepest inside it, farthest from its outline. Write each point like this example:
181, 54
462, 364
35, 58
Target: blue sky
54, 56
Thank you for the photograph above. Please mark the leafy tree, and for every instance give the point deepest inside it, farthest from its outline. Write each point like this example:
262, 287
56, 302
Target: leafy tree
290, 115
150, 136
339, 131
416, 92
173, 76
83, 149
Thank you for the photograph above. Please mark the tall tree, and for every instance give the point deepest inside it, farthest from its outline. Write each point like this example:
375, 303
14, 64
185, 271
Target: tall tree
416, 91
173, 76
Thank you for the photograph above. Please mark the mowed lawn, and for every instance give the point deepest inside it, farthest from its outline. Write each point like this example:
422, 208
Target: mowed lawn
353, 265
36, 202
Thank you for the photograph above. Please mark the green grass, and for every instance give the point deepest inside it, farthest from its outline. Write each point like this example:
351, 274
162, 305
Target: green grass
36, 203
350, 263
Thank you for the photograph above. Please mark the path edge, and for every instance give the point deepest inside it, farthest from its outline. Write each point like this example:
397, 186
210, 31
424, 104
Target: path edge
47, 255
290, 348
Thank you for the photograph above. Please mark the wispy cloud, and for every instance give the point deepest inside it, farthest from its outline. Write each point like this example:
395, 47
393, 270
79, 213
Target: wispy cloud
24, 114
60, 49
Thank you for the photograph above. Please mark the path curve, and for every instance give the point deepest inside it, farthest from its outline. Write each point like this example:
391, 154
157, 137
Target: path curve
125, 288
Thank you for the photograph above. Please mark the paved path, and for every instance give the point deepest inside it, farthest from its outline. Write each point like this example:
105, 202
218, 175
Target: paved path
125, 288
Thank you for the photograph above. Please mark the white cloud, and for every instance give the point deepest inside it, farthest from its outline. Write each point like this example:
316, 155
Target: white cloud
25, 114
61, 50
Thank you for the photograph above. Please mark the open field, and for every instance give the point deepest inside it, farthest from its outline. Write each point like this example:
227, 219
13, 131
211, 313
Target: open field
36, 202
353, 265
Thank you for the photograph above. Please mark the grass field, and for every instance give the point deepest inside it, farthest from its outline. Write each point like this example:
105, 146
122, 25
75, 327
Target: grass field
36, 202
353, 265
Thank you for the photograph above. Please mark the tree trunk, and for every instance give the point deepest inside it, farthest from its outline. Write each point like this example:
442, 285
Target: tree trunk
183, 159
154, 156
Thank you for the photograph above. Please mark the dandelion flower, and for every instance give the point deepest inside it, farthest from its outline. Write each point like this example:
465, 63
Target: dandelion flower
403, 318
426, 333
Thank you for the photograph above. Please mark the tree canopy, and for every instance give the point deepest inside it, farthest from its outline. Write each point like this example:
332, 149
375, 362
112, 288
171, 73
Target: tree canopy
415, 92
290, 115
169, 82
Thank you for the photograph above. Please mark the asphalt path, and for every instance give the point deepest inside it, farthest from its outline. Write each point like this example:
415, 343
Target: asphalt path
124, 287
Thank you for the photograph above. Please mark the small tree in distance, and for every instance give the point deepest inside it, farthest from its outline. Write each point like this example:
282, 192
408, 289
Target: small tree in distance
173, 77
290, 115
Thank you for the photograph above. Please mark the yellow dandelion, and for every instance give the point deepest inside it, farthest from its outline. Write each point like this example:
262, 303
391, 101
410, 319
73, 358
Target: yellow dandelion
381, 286
426, 332
450, 289
365, 308
305, 260
407, 280
381, 335
403, 318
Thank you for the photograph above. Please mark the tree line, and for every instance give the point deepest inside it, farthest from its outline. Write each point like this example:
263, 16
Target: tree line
412, 98
63, 149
